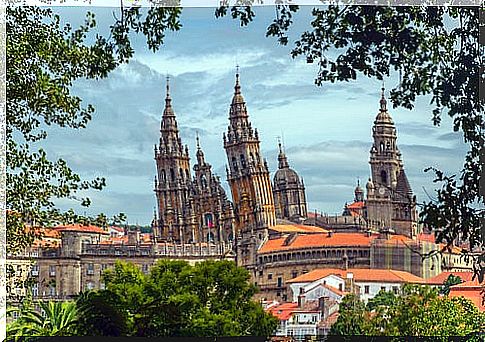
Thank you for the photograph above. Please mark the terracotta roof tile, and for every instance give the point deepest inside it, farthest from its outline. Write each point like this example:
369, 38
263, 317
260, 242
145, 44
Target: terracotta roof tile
471, 290
297, 228
440, 278
356, 205
361, 275
81, 228
283, 311
317, 240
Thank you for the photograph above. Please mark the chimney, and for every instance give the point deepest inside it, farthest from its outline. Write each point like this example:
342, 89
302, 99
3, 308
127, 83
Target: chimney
301, 300
349, 282
323, 306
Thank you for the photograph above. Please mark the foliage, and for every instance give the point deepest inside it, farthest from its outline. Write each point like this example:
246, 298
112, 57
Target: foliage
59, 319
212, 298
435, 50
44, 58
383, 298
418, 311
351, 320
450, 281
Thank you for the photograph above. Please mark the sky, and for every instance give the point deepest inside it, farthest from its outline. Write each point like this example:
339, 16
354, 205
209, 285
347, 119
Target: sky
326, 130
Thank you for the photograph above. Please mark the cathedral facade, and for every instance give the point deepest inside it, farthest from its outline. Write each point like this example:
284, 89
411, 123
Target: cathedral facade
194, 208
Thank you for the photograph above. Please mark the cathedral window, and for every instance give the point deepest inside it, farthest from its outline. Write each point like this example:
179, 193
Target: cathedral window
181, 173
243, 161
382, 147
187, 176
383, 177
203, 181
172, 175
388, 146
164, 176
234, 164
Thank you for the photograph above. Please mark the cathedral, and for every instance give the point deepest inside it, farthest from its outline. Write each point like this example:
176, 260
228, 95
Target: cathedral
194, 208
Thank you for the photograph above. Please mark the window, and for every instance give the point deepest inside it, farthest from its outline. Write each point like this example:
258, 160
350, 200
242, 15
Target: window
89, 285
340, 287
366, 289
90, 269
384, 177
280, 281
35, 270
294, 274
102, 286
35, 290
52, 270
383, 288
395, 289
52, 290
104, 267
234, 164
260, 273
270, 276
144, 268
172, 175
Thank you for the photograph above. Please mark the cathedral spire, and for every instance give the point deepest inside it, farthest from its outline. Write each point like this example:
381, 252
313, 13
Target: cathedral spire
168, 101
383, 101
199, 153
282, 160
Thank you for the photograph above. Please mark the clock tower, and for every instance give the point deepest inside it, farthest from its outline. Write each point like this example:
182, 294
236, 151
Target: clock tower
390, 203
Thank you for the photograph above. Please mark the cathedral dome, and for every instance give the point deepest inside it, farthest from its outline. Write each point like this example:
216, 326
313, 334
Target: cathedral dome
286, 175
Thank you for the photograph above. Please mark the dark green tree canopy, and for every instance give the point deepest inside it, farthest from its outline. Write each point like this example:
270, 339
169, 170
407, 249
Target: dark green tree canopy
211, 298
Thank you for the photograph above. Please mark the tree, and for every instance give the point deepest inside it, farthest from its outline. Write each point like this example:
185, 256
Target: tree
55, 319
43, 60
352, 318
449, 282
418, 311
212, 298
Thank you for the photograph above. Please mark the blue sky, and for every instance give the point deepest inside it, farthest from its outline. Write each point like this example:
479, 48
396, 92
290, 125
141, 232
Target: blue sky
327, 130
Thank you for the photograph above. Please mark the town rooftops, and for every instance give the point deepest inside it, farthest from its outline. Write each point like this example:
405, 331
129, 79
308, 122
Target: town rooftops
360, 275
283, 311
82, 229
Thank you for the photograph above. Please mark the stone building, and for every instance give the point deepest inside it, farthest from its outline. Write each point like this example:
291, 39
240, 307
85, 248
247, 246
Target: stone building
190, 210
390, 201
288, 191
249, 180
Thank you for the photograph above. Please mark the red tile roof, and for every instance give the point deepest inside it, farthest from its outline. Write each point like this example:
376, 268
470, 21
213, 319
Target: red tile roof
81, 228
123, 240
440, 278
356, 205
318, 240
297, 228
471, 290
283, 311
360, 275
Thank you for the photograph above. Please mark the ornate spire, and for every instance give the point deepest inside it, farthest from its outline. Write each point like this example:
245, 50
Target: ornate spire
168, 101
282, 160
238, 98
200, 153
237, 87
383, 101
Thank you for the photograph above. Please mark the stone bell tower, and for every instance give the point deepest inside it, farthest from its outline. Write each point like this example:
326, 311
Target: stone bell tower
172, 184
390, 200
249, 180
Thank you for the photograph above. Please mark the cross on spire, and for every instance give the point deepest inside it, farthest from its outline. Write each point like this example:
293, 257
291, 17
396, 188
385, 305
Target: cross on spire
383, 101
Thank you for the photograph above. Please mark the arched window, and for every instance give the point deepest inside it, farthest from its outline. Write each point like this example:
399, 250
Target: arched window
234, 163
383, 177
181, 173
382, 147
187, 175
243, 161
251, 156
172, 175
164, 176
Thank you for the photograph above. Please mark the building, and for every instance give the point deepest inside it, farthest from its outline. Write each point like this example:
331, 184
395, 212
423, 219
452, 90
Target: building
288, 191
190, 209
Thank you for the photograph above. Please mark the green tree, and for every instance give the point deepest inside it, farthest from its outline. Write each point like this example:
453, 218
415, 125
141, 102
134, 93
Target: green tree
211, 298
56, 319
449, 282
44, 58
417, 311
352, 318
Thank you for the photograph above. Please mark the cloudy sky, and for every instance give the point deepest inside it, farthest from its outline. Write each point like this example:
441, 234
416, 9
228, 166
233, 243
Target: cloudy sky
326, 130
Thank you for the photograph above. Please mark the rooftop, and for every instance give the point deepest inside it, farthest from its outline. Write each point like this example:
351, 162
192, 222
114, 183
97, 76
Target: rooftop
361, 275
